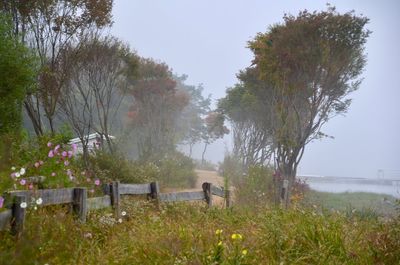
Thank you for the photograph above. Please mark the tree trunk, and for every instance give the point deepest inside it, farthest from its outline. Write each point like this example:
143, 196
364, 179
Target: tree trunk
204, 152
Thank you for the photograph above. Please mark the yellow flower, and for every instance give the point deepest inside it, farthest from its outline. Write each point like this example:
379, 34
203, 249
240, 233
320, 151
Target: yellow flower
220, 243
244, 252
236, 236
218, 231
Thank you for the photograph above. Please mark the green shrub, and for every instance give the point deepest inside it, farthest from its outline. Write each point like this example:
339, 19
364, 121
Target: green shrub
109, 167
177, 170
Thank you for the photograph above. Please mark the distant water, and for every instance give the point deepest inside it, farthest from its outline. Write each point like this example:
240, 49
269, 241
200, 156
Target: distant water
339, 185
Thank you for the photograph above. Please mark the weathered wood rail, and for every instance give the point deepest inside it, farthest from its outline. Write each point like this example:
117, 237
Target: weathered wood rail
14, 217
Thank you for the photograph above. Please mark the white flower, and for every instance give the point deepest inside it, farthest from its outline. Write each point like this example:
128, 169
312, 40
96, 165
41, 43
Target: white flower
119, 220
123, 213
23, 205
22, 171
17, 175
12, 168
35, 208
39, 201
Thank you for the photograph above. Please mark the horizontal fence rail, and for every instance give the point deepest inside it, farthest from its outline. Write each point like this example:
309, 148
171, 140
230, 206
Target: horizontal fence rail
15, 216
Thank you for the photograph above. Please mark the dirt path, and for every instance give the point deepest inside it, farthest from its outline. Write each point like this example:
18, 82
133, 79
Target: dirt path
208, 176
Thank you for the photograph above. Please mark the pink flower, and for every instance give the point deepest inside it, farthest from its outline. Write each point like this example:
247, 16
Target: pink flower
51, 153
74, 147
56, 148
53, 174
64, 154
12, 175
70, 154
37, 164
1, 201
97, 182
30, 186
41, 162
22, 182
66, 162
49, 144
69, 173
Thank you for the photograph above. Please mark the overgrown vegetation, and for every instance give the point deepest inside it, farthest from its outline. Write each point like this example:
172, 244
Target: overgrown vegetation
190, 234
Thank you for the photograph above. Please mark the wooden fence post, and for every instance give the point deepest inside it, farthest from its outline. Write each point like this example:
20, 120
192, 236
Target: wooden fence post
228, 198
79, 205
115, 198
154, 190
18, 214
207, 193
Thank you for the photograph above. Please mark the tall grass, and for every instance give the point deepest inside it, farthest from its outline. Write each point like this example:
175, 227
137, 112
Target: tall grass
191, 234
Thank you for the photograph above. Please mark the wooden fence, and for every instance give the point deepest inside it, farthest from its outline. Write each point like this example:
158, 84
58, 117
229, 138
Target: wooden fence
81, 204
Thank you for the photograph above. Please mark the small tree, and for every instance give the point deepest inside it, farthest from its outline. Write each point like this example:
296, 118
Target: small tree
215, 129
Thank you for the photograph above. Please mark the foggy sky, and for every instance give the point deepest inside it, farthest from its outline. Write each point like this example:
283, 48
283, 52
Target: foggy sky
206, 39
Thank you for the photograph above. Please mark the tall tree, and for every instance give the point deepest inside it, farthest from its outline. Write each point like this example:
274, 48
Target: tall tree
155, 110
48, 26
17, 76
311, 63
247, 109
18, 68
97, 73
192, 121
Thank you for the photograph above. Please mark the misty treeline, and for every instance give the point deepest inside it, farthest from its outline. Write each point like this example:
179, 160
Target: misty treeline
93, 82
301, 75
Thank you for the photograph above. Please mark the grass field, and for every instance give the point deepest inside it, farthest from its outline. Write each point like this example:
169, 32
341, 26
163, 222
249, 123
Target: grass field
188, 233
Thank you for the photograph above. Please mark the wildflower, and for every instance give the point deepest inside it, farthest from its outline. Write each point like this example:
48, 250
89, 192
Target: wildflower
244, 252
22, 171
51, 153
119, 220
69, 172
41, 162
39, 201
49, 144
64, 153
37, 164
88, 179
56, 148
74, 147
97, 182
71, 177
35, 208
123, 213
87, 235
70, 154
66, 162
91, 191
220, 243
1, 201
17, 174
30, 186
218, 231
22, 182
12, 175
237, 236
53, 174
23, 205
12, 168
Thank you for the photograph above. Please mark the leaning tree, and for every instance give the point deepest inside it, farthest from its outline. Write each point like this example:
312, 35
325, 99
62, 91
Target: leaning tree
309, 65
